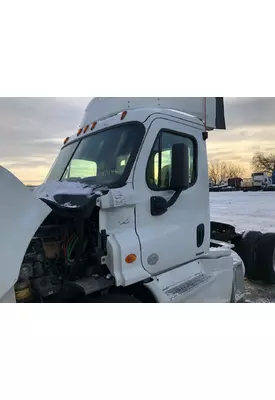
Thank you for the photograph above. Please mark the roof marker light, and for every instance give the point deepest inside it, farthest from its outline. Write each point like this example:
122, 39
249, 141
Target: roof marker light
86, 128
123, 115
93, 126
79, 131
66, 140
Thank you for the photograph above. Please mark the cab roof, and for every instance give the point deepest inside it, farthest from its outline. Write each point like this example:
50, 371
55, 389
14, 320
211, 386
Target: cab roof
107, 111
203, 108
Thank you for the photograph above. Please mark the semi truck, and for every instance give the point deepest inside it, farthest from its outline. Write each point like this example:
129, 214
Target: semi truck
123, 215
257, 182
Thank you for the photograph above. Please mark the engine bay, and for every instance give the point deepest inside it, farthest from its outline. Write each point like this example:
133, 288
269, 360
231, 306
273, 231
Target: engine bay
64, 260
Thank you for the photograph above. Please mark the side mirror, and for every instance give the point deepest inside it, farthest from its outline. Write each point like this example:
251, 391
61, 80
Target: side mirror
180, 167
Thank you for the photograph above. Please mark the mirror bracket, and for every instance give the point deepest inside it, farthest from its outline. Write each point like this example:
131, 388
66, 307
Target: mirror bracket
159, 205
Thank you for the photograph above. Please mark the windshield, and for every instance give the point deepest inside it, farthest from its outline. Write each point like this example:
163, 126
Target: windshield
103, 158
258, 174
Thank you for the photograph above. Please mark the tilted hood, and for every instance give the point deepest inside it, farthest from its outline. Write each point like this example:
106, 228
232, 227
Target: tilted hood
21, 214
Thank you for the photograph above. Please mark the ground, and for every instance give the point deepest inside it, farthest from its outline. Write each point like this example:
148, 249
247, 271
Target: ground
247, 211
257, 292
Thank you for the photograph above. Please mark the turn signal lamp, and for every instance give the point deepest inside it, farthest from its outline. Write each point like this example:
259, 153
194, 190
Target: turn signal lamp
130, 258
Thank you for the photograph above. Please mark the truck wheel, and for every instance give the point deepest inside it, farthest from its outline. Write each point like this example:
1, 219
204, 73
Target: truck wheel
246, 249
265, 255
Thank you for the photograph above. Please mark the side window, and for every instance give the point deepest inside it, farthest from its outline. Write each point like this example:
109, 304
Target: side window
160, 161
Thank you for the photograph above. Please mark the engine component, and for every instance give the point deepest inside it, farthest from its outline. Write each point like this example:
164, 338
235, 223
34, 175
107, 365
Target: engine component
26, 272
51, 249
63, 259
38, 266
23, 292
47, 286
23, 287
94, 284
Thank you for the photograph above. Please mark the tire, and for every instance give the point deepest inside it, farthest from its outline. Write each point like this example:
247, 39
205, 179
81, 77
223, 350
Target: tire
265, 256
246, 248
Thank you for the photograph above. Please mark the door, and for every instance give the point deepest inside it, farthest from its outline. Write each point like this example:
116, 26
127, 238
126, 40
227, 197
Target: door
182, 233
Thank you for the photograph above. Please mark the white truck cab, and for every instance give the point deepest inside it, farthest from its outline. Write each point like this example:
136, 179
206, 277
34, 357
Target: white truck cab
123, 213
261, 179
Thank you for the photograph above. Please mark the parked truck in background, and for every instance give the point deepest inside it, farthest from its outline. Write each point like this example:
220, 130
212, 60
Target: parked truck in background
261, 179
257, 182
123, 215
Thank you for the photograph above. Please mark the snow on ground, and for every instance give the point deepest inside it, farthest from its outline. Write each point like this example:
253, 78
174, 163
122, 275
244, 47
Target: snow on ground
246, 211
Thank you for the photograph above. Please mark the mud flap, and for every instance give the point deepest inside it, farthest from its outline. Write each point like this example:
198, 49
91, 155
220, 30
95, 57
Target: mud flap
21, 214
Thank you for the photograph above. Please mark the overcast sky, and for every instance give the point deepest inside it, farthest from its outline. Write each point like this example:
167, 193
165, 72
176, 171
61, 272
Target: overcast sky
33, 129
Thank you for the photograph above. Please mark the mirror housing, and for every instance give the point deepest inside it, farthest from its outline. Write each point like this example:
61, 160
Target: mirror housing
180, 167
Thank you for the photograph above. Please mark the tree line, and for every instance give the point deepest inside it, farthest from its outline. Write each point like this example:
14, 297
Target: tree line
220, 170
